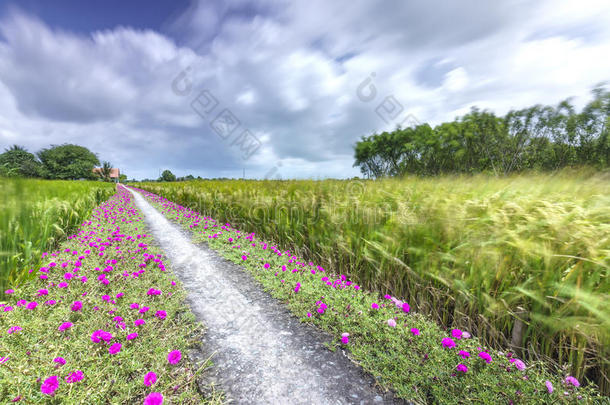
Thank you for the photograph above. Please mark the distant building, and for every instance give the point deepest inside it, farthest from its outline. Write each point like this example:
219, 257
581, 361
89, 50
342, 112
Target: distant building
115, 173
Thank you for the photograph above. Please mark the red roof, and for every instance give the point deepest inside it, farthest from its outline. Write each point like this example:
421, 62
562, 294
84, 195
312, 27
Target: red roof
114, 172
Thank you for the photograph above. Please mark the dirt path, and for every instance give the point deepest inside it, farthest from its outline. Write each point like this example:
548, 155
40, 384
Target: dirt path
262, 354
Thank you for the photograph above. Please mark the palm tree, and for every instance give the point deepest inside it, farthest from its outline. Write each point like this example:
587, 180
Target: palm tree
105, 171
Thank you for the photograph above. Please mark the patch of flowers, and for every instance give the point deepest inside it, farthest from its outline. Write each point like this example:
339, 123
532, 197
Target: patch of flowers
86, 343
403, 349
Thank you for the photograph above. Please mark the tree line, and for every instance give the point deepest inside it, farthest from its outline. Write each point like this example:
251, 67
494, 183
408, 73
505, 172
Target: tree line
535, 138
63, 162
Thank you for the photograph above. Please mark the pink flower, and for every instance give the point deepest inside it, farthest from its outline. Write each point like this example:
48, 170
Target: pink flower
374, 305
518, 364
464, 354
43, 291
132, 336
448, 343
406, 307
64, 326
115, 348
74, 377
485, 356
465, 335
139, 322
59, 360
9, 291
32, 305
174, 357
13, 329
49, 385
154, 398
76, 306
63, 284
415, 332
462, 368
161, 314
456, 333
144, 309
267, 265
345, 338
244, 257
572, 380
150, 378
392, 322
297, 287
135, 305
549, 386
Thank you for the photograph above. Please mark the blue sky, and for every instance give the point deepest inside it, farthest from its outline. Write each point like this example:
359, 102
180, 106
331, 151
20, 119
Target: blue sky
276, 87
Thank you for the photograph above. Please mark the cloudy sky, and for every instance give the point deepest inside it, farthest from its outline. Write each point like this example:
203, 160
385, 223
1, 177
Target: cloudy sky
278, 88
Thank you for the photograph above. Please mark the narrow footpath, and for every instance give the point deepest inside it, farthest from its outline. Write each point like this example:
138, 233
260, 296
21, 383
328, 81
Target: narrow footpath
261, 353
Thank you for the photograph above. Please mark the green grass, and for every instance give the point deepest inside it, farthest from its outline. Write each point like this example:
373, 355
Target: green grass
114, 243
470, 252
35, 215
415, 366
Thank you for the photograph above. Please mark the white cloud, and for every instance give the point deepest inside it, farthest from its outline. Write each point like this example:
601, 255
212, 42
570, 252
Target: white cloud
289, 73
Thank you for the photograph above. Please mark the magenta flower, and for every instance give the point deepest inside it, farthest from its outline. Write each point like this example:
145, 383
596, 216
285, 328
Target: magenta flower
154, 398
135, 305
463, 354
132, 336
520, 365
572, 380
115, 348
144, 309
406, 307
374, 305
448, 343
49, 385
150, 378
462, 368
9, 291
267, 265
297, 287
456, 333
74, 377
415, 332
64, 326
76, 306
161, 314
345, 338
13, 329
392, 322
63, 284
485, 356
549, 386
174, 357
59, 360
32, 305
139, 322
43, 291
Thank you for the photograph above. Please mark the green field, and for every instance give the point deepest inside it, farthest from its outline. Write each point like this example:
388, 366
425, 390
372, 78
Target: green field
35, 215
472, 252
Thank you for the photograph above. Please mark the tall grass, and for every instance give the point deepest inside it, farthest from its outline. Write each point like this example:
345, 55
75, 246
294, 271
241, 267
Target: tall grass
35, 215
522, 261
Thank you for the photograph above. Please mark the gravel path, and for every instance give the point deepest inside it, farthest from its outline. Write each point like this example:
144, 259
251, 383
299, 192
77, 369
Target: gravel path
261, 353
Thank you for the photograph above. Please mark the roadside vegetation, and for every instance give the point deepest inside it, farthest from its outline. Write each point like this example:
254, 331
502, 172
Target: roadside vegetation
521, 261
104, 321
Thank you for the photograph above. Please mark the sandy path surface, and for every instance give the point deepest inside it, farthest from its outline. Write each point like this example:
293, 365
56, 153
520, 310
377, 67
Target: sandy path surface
261, 353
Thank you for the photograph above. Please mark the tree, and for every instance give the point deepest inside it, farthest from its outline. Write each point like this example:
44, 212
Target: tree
68, 161
17, 161
167, 176
105, 171
123, 178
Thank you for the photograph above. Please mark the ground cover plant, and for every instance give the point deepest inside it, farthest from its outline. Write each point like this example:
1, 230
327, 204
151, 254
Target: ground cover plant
35, 215
481, 253
102, 322
404, 350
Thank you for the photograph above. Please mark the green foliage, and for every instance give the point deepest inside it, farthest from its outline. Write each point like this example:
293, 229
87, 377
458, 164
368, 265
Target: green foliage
468, 251
416, 367
35, 215
539, 138
17, 161
105, 171
167, 176
67, 162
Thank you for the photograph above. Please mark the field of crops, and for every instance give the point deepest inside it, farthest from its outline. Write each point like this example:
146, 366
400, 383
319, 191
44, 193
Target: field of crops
522, 260
35, 215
